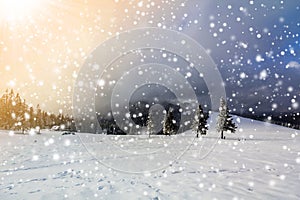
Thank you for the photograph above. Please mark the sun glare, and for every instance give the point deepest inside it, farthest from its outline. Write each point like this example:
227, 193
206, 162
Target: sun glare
11, 10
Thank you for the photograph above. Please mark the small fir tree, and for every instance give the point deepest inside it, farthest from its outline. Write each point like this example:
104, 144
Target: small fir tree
150, 123
224, 122
200, 122
169, 123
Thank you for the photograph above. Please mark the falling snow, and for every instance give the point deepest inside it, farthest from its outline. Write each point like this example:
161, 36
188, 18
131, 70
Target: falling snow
254, 46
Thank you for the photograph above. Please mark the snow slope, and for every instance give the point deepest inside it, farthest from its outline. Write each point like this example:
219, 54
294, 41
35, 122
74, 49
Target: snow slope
260, 161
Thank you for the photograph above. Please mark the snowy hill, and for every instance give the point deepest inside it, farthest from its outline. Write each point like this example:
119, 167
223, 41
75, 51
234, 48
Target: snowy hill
260, 161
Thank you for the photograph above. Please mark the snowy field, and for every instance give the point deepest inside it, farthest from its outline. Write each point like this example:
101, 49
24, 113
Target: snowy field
260, 161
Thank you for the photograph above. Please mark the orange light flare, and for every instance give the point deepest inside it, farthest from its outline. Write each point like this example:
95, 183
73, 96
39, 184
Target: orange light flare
44, 42
14, 10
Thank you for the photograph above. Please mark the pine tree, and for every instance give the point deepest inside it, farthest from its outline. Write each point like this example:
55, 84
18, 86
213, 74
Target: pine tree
39, 119
200, 122
31, 119
3, 110
16, 114
25, 116
225, 122
10, 110
169, 123
150, 123
46, 119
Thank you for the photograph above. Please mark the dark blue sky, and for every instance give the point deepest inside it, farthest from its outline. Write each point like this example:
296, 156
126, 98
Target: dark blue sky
255, 44
252, 43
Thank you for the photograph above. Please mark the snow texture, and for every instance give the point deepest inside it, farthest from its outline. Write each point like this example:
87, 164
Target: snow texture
260, 161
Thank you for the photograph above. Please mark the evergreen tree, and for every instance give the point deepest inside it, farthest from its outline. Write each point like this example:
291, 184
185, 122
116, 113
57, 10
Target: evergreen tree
2, 106
39, 117
10, 115
169, 126
200, 122
32, 117
16, 114
150, 123
3, 110
72, 125
25, 117
46, 119
8, 110
224, 122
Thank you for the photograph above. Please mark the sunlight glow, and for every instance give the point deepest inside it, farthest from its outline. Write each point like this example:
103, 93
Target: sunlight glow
11, 10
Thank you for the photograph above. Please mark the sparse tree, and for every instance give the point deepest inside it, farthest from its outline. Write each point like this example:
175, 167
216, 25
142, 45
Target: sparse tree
200, 122
224, 122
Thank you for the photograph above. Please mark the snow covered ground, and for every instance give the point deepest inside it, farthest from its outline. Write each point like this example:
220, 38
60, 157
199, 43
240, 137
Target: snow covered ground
260, 161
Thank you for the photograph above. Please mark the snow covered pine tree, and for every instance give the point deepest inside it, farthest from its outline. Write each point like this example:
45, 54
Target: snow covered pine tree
200, 122
224, 122
169, 123
150, 123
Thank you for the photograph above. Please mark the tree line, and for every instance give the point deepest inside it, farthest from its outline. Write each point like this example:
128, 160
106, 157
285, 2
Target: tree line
16, 114
199, 125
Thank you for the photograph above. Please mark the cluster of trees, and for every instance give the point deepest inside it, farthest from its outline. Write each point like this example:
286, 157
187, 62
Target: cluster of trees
293, 124
199, 125
290, 120
139, 113
16, 114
